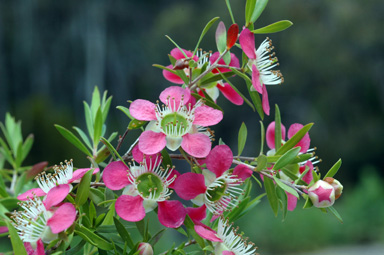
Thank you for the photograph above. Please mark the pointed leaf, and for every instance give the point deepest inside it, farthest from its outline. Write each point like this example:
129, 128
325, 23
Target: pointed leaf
221, 37
88, 118
98, 126
124, 234
286, 187
95, 104
333, 169
83, 189
334, 212
283, 200
261, 162
287, 158
17, 244
271, 194
278, 135
27, 146
125, 110
249, 9
259, 8
294, 139
242, 138
205, 30
274, 28
72, 139
83, 136
93, 238
135, 124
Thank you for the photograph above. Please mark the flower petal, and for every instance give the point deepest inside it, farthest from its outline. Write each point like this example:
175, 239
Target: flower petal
243, 172
171, 213
305, 142
247, 42
219, 159
207, 116
3, 229
207, 234
234, 62
115, 175
143, 110
30, 193
130, 208
230, 94
292, 201
56, 195
151, 160
172, 96
79, 173
63, 218
39, 248
197, 145
270, 134
308, 177
265, 101
228, 253
152, 142
177, 54
174, 78
189, 185
173, 143
197, 214
256, 79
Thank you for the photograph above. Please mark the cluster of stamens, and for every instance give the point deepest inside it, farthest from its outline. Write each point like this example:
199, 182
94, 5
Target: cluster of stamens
61, 175
203, 58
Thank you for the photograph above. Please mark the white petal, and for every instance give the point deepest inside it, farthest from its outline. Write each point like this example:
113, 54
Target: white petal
173, 143
198, 200
209, 177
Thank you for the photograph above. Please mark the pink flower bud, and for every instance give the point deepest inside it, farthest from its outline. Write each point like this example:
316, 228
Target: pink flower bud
145, 249
322, 194
336, 185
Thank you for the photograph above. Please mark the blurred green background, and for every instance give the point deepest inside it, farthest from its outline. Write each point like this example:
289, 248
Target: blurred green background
53, 53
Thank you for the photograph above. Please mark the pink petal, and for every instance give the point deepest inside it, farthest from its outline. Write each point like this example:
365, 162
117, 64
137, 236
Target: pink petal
151, 142
265, 101
171, 213
304, 143
143, 110
130, 208
207, 234
219, 159
197, 214
115, 175
207, 116
234, 62
243, 172
63, 218
172, 96
30, 193
308, 177
174, 78
56, 195
79, 173
270, 134
40, 248
256, 79
173, 174
197, 145
247, 42
230, 94
177, 54
189, 185
292, 201
151, 160
228, 253
3, 229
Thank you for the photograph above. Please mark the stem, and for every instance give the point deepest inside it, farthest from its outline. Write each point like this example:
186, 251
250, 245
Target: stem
120, 142
227, 66
193, 241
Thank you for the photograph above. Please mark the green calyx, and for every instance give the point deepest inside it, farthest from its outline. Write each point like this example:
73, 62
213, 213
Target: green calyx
218, 192
149, 183
174, 123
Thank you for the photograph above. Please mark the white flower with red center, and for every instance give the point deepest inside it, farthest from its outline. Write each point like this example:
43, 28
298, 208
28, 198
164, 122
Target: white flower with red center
63, 174
43, 219
261, 62
322, 194
216, 188
175, 123
226, 240
145, 188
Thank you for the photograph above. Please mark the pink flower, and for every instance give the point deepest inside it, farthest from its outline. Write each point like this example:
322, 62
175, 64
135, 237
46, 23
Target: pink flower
261, 61
63, 174
145, 188
226, 240
39, 248
216, 188
322, 194
43, 220
175, 123
177, 54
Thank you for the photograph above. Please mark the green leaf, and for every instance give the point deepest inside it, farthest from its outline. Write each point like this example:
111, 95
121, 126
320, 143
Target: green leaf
238, 209
181, 50
105, 107
242, 138
271, 194
334, 212
96, 195
17, 244
156, 237
249, 9
213, 78
6, 152
334, 169
287, 158
274, 28
164, 68
88, 118
261, 162
95, 104
27, 146
190, 228
98, 126
135, 124
93, 238
140, 225
123, 233
278, 136
286, 187
294, 139
207, 101
283, 198
259, 8
112, 149
167, 161
83, 136
255, 99
221, 37
83, 189
205, 30
308, 203
262, 140
230, 11
108, 220
72, 139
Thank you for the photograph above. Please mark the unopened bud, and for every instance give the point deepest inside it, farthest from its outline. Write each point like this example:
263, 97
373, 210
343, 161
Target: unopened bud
336, 185
180, 64
145, 249
322, 194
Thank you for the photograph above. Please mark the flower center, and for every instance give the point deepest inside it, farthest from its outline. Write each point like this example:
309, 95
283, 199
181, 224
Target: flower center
175, 124
149, 185
62, 175
217, 191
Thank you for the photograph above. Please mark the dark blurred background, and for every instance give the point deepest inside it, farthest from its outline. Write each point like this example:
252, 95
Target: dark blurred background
53, 53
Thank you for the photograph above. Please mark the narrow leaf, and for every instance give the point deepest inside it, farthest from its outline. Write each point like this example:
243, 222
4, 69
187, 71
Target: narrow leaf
135, 124
125, 110
287, 158
27, 146
283, 200
72, 139
262, 131
205, 30
294, 139
17, 244
181, 50
261, 162
274, 28
249, 9
207, 101
88, 118
123, 233
334, 212
98, 126
286, 187
83, 189
278, 135
93, 238
230, 11
83, 136
242, 138
334, 169
271, 194
259, 8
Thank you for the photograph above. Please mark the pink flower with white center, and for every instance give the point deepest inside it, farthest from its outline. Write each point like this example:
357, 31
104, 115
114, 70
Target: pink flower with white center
63, 174
145, 188
41, 220
216, 188
322, 194
261, 61
175, 123
226, 240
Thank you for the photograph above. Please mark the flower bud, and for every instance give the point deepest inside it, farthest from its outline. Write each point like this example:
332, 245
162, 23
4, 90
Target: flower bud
322, 194
336, 185
145, 249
